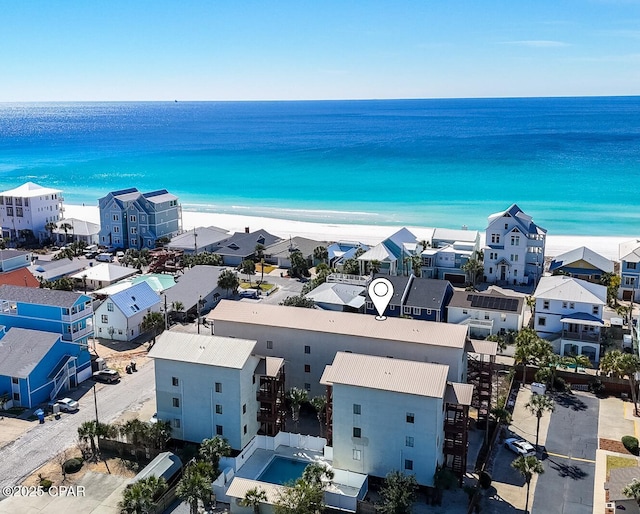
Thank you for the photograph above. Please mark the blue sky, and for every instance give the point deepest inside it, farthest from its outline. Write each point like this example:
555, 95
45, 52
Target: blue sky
323, 49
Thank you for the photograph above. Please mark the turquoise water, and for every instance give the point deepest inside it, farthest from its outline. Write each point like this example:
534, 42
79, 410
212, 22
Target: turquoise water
572, 163
282, 470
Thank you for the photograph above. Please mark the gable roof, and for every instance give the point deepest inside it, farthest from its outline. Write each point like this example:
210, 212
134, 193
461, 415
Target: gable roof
458, 394
402, 241
487, 301
341, 323
225, 352
21, 350
159, 196
138, 297
105, 272
378, 253
10, 253
456, 235
78, 227
426, 293
629, 251
30, 190
338, 294
204, 236
562, 287
286, 246
582, 254
243, 244
524, 220
194, 282
50, 270
19, 277
386, 374
399, 283
41, 296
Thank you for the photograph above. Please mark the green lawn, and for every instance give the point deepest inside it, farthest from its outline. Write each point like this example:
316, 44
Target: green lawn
263, 286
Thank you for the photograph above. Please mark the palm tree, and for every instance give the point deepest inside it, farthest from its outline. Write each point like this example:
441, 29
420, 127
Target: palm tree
248, 267
320, 253
538, 404
136, 499
632, 490
531, 303
530, 349
66, 227
50, 227
374, 266
259, 255
177, 307
88, 432
153, 322
159, 434
315, 474
136, 432
212, 449
622, 364
501, 415
228, 281
253, 498
319, 403
527, 466
296, 397
193, 487
474, 269
577, 360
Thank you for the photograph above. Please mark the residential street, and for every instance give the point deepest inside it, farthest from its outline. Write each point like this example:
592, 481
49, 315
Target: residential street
37, 446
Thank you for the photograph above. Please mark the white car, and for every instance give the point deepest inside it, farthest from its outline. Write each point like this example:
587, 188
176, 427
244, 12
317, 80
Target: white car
68, 405
520, 447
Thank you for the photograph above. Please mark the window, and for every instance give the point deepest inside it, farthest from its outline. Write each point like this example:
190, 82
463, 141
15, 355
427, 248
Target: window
19, 212
244, 429
495, 238
133, 241
416, 310
515, 271
465, 311
369, 306
515, 240
244, 408
105, 318
16, 397
218, 387
545, 304
218, 408
110, 306
408, 464
595, 310
629, 281
116, 217
408, 441
175, 381
357, 408
357, 454
392, 307
176, 402
307, 349
514, 257
219, 430
542, 322
134, 230
269, 345
132, 218
490, 270
410, 417
116, 230
176, 423
564, 305
407, 310
486, 316
307, 386
357, 432
506, 226
572, 305
307, 368
9, 211
428, 312
503, 317
15, 380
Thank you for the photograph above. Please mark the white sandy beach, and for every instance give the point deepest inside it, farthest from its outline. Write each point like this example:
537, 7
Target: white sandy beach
368, 234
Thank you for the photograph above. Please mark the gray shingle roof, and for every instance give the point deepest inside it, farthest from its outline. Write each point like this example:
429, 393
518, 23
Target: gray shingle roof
21, 350
205, 236
243, 244
196, 281
283, 248
10, 254
39, 296
427, 293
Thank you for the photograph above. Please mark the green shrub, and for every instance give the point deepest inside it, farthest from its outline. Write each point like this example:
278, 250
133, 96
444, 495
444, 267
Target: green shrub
46, 484
484, 480
596, 386
559, 384
72, 466
631, 444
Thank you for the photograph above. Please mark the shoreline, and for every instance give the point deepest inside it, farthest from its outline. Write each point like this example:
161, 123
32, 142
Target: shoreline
607, 246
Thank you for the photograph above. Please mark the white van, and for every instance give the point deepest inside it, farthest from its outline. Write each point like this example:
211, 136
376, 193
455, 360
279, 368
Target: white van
104, 257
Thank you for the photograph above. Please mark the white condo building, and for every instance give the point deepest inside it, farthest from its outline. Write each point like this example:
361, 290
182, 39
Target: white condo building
29, 207
514, 251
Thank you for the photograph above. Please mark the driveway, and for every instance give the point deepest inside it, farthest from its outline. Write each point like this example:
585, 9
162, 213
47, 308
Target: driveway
567, 485
40, 444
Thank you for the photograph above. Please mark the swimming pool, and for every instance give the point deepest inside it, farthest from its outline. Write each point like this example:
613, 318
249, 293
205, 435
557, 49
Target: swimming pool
281, 470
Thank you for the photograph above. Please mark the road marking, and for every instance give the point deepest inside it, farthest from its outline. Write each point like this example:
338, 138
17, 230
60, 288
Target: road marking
571, 458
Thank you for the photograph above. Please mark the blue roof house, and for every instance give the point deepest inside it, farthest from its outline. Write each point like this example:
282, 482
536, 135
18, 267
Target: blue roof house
35, 366
120, 316
65, 313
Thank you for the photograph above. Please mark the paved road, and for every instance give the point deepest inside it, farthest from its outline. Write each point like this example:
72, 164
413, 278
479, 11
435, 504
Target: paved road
40, 444
566, 486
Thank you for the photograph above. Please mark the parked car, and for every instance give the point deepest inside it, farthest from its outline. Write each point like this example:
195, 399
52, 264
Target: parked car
106, 375
520, 447
120, 254
104, 257
249, 294
153, 419
90, 255
68, 405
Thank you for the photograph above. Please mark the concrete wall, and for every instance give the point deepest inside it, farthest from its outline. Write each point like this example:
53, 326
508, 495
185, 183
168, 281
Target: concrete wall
383, 444
290, 345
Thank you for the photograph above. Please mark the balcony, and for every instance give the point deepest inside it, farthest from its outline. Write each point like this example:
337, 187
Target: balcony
77, 334
71, 318
591, 337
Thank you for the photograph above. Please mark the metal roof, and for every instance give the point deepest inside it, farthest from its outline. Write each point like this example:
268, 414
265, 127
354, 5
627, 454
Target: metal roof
165, 465
629, 251
226, 352
387, 374
78, 227
343, 323
239, 487
458, 394
482, 347
338, 294
582, 254
105, 272
21, 350
269, 366
160, 196
204, 236
524, 220
41, 296
562, 287
30, 190
136, 298
582, 318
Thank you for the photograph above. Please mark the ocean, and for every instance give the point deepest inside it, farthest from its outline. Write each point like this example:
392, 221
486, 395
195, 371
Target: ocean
571, 163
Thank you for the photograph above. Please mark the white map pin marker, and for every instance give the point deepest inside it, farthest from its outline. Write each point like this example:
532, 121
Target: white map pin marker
380, 292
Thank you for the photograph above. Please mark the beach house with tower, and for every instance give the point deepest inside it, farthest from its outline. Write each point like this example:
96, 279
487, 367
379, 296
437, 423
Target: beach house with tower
29, 207
514, 251
131, 219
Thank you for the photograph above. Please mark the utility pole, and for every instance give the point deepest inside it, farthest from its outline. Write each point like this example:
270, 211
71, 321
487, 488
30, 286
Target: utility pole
95, 402
199, 313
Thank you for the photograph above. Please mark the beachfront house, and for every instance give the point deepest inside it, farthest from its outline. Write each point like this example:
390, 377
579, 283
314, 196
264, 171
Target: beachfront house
198, 240
308, 339
209, 386
35, 366
410, 435
131, 219
629, 255
581, 263
14, 259
279, 253
342, 251
514, 251
569, 313
120, 316
392, 256
62, 312
76, 231
29, 207
242, 245
486, 312
447, 251
417, 298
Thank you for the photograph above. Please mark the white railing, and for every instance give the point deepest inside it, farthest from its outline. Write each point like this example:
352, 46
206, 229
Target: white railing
70, 318
77, 334
343, 278
60, 379
479, 323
